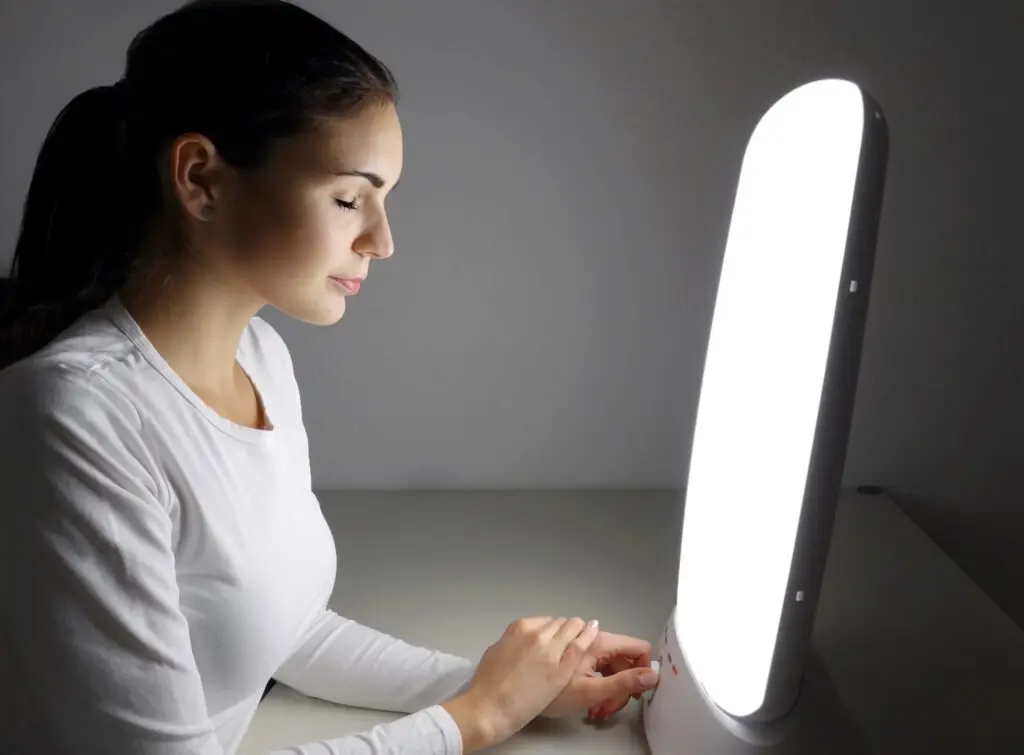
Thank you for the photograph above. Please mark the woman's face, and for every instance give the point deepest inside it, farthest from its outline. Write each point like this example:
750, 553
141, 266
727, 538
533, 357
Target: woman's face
301, 234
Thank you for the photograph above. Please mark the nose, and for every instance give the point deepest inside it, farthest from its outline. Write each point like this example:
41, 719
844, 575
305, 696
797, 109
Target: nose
376, 240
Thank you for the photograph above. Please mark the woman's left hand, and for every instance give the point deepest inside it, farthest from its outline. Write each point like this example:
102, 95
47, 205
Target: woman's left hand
613, 672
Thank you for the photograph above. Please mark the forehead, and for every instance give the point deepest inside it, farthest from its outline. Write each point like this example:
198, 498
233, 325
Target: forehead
370, 141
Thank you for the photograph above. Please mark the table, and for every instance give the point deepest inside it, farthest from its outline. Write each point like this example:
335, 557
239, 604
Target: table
921, 659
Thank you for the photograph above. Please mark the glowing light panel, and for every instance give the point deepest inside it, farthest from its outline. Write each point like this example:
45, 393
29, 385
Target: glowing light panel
762, 386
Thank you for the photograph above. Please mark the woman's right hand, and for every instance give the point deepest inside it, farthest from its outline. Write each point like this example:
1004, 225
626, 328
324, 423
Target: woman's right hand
519, 676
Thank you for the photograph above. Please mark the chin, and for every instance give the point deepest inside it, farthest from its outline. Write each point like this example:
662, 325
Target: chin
317, 310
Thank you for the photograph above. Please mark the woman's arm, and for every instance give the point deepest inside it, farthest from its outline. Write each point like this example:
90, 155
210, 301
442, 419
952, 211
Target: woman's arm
344, 662
92, 607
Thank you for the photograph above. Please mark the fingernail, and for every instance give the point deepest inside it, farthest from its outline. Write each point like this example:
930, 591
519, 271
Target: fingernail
649, 678
593, 623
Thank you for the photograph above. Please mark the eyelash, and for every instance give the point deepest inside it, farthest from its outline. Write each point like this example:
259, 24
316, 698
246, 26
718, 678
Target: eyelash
345, 205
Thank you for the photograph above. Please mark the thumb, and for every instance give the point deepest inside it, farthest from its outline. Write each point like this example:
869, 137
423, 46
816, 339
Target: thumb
634, 681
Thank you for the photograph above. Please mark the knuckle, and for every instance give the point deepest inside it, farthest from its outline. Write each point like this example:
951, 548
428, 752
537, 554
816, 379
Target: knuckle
531, 623
539, 627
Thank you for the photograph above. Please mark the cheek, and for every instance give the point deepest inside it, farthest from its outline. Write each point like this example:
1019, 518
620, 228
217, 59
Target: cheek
288, 236
319, 236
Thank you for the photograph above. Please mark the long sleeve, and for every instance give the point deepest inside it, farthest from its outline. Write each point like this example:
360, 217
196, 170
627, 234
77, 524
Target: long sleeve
93, 625
341, 661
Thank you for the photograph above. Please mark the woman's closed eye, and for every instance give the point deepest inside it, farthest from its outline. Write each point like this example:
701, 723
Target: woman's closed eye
346, 205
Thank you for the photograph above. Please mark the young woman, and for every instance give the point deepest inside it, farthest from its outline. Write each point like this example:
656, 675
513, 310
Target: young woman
163, 555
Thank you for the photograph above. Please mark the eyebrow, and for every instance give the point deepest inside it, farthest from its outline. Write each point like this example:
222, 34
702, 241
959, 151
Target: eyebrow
373, 178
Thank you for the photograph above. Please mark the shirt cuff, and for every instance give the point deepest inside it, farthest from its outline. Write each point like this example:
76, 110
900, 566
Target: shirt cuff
449, 729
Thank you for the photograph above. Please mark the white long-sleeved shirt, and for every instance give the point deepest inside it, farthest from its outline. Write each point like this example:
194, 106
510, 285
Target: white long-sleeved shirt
160, 563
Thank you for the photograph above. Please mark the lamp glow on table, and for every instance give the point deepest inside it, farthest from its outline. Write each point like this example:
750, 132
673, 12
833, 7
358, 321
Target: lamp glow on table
774, 414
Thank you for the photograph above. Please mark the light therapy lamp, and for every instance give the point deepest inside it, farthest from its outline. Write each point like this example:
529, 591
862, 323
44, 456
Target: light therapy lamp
774, 414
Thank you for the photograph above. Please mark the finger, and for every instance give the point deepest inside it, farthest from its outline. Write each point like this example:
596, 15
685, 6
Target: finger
644, 659
548, 631
610, 708
568, 632
588, 666
610, 645
624, 661
616, 664
616, 690
575, 654
619, 664
631, 688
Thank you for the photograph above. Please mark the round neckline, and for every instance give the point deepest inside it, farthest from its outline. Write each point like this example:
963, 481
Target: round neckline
124, 322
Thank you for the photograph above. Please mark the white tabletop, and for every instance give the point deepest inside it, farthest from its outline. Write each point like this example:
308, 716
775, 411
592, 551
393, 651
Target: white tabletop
921, 658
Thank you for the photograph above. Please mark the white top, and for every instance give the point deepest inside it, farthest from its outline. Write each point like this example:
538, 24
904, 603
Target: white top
160, 563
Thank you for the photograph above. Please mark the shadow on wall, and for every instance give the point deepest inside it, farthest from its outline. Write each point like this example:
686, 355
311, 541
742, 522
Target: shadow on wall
987, 544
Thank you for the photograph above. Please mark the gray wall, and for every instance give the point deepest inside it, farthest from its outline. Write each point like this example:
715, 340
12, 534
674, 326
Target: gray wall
570, 169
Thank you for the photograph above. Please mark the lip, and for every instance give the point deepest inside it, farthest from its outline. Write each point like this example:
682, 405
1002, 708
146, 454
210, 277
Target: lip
351, 285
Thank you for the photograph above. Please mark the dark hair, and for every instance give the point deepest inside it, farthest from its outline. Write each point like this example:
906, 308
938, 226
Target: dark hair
244, 73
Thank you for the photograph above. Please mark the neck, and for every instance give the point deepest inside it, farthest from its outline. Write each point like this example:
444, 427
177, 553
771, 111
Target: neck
195, 321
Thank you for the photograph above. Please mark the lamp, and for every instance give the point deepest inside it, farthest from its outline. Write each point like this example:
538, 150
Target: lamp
774, 414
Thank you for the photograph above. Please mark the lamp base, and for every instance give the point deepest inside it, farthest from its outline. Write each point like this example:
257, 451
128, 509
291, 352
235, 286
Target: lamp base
679, 718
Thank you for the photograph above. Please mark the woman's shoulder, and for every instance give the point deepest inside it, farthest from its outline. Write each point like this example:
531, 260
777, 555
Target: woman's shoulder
67, 381
94, 369
41, 392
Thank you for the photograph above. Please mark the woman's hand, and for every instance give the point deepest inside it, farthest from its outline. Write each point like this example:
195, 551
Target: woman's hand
519, 676
615, 669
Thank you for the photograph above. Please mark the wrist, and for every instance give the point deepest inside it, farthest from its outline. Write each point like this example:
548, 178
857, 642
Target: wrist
476, 722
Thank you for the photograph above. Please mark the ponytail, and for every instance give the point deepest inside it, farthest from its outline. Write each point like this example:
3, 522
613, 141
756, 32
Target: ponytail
80, 227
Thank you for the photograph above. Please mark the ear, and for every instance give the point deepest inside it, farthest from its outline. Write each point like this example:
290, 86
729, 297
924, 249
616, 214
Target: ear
195, 169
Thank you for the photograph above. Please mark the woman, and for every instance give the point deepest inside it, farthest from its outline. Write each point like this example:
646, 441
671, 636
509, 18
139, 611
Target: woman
164, 555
